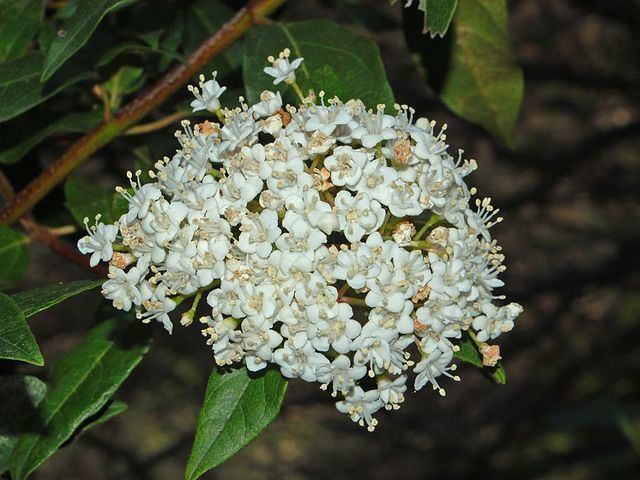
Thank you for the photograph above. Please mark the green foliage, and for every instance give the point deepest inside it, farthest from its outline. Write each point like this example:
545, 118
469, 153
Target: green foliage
336, 60
72, 123
125, 81
470, 353
82, 382
474, 69
16, 340
235, 410
202, 19
35, 301
20, 86
86, 200
19, 23
78, 28
14, 256
437, 15
19, 396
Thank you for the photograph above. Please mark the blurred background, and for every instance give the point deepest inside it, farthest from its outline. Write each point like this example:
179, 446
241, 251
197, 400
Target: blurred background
569, 193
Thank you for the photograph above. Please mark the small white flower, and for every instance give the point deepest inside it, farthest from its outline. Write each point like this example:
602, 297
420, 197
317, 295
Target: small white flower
207, 96
282, 69
346, 164
258, 233
360, 406
98, 242
358, 215
495, 321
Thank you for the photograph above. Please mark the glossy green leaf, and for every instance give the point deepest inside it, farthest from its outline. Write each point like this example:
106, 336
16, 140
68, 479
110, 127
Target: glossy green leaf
19, 396
39, 299
78, 28
16, 340
14, 256
82, 382
235, 410
19, 23
86, 200
336, 60
20, 87
72, 123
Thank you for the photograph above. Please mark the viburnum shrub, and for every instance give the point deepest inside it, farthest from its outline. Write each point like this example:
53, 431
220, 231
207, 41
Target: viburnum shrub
315, 229
337, 242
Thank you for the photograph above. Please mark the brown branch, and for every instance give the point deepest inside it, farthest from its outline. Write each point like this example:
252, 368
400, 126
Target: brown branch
136, 109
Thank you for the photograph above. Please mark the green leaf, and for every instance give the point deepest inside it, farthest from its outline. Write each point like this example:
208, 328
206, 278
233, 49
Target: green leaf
72, 123
19, 23
474, 69
14, 256
78, 28
16, 340
19, 395
106, 413
125, 81
112, 409
82, 382
470, 353
235, 410
20, 87
39, 299
438, 15
335, 60
84, 199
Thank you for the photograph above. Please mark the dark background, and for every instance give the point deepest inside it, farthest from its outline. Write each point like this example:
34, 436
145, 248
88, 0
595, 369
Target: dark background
569, 195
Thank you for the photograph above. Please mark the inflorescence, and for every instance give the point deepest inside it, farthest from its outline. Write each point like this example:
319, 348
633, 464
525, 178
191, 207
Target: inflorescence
339, 243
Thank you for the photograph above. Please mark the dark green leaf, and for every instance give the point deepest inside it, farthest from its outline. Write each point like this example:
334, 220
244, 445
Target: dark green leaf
112, 409
19, 23
335, 60
83, 381
125, 81
39, 299
72, 123
437, 15
470, 353
19, 395
14, 256
106, 413
78, 28
474, 69
86, 200
235, 410
16, 340
20, 87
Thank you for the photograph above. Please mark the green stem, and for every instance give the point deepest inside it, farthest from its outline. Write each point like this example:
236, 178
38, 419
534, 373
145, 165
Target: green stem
435, 219
298, 90
356, 302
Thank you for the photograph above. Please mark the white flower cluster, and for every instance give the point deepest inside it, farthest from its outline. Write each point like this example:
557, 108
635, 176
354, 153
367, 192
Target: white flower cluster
338, 243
